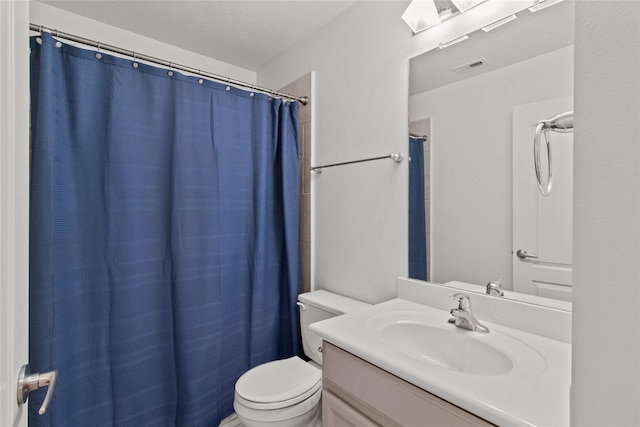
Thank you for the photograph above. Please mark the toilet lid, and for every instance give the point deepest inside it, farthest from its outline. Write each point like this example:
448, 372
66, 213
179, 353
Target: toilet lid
282, 381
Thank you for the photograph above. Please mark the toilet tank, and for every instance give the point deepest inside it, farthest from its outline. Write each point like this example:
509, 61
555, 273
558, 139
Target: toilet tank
320, 305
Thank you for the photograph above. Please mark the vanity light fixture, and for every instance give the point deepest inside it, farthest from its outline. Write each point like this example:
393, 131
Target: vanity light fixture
499, 23
542, 4
452, 42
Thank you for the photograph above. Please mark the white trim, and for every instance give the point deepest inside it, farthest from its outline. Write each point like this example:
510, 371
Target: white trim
14, 204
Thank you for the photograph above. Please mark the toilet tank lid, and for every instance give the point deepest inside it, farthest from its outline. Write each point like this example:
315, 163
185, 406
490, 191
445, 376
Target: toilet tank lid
333, 303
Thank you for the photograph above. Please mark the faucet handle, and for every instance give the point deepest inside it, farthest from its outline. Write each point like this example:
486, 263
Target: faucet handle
495, 288
464, 303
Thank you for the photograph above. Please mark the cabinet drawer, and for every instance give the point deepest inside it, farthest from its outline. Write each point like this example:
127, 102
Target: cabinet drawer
336, 413
385, 398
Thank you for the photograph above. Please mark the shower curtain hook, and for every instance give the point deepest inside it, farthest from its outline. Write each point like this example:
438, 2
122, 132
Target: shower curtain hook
41, 28
98, 55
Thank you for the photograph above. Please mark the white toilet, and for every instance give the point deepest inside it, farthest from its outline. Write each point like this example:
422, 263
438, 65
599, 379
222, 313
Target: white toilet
286, 393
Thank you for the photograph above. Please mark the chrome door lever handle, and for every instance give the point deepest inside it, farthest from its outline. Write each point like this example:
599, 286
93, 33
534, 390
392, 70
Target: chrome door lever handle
28, 382
522, 254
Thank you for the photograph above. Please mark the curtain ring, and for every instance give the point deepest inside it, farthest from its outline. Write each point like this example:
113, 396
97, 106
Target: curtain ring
99, 44
39, 39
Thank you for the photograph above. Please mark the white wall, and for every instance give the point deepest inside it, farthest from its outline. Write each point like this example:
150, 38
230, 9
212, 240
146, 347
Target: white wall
51, 17
471, 165
606, 253
360, 110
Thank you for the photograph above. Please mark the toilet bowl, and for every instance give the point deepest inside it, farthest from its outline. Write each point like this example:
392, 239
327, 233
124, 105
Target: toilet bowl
282, 393
287, 392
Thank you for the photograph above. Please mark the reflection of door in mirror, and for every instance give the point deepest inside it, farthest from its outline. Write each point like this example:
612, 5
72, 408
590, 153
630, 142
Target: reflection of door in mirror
419, 198
542, 225
468, 91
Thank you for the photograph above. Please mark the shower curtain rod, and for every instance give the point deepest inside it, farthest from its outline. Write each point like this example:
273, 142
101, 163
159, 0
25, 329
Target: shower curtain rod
100, 46
415, 135
397, 157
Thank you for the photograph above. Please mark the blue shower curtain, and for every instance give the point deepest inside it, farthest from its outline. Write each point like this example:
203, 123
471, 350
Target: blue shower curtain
164, 239
417, 219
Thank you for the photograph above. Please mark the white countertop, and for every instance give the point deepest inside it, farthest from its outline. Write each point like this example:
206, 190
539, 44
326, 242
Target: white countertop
535, 393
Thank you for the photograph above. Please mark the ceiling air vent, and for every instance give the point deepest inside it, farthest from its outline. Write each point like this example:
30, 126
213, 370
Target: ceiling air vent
474, 65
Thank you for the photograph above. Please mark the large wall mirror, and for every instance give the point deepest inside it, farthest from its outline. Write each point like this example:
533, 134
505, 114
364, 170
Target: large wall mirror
473, 110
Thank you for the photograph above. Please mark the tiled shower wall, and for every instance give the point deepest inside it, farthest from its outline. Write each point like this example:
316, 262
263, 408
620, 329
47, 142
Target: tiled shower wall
302, 87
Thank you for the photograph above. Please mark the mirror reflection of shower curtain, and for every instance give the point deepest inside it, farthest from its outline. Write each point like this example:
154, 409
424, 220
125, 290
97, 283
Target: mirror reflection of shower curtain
417, 217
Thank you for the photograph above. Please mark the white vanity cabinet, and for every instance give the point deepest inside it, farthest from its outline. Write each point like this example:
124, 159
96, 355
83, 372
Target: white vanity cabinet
359, 394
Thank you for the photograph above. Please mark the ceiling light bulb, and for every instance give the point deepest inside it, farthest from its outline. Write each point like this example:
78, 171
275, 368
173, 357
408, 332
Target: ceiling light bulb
420, 15
445, 13
464, 5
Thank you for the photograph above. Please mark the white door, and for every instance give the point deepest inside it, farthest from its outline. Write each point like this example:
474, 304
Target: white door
542, 225
14, 205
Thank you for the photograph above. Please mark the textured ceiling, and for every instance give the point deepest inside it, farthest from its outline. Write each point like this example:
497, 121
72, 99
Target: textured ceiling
245, 33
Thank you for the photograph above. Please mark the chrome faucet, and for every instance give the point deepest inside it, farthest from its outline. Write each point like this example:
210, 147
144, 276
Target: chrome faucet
495, 288
463, 316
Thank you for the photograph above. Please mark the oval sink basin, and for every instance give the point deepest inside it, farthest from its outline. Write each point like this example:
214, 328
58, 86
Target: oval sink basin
430, 339
451, 350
